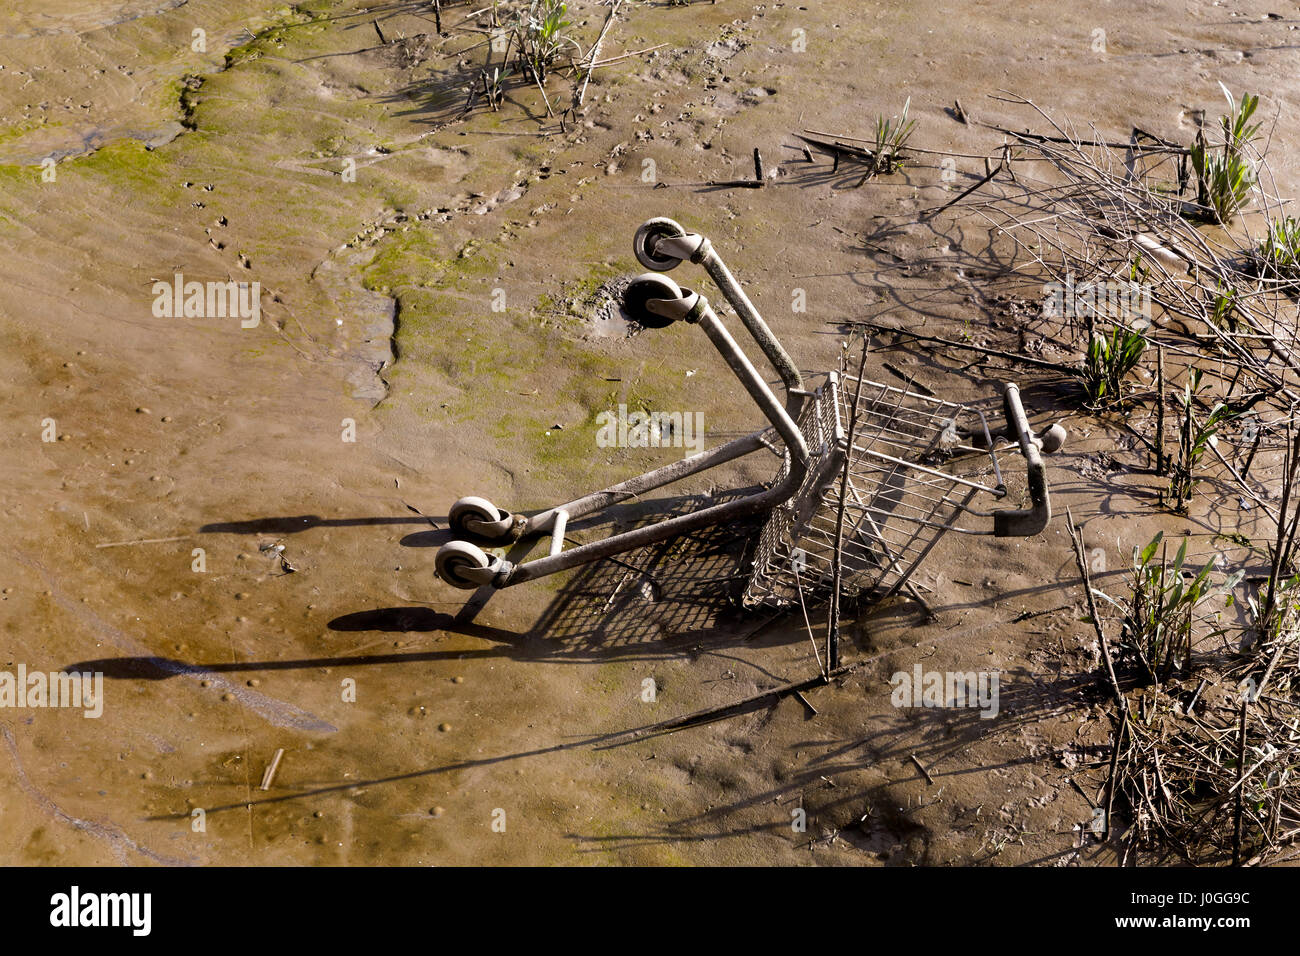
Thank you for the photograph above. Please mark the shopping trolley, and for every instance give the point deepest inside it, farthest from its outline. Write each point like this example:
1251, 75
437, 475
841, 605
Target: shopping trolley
871, 475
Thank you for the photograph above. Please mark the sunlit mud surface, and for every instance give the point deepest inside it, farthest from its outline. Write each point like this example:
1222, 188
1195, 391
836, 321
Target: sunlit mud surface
236, 525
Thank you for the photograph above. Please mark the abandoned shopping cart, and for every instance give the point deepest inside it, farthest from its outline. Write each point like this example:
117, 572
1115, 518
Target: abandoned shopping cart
871, 476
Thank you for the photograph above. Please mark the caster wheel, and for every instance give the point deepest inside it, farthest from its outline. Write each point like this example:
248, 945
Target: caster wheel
644, 288
1052, 439
457, 562
651, 232
479, 517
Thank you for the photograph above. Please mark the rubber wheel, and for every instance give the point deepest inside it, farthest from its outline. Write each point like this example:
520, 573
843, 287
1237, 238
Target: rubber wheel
457, 556
651, 232
641, 290
1053, 439
478, 509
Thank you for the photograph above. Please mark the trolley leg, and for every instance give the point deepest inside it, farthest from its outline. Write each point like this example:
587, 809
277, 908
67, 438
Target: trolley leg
508, 574
600, 500
693, 308
557, 531
772, 348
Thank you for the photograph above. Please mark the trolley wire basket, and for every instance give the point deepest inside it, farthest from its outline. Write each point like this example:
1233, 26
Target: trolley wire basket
877, 504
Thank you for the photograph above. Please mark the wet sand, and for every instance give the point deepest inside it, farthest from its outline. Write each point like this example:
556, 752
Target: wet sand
414, 716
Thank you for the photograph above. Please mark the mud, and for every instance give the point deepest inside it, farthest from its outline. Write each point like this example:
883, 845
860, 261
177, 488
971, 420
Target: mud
415, 717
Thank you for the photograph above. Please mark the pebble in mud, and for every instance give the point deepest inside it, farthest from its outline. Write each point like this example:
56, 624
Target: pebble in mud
437, 812
444, 727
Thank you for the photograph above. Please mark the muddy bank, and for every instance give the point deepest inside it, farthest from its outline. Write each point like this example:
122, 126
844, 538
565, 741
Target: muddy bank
383, 382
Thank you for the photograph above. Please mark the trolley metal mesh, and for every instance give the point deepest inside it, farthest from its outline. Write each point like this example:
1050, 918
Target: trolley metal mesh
911, 473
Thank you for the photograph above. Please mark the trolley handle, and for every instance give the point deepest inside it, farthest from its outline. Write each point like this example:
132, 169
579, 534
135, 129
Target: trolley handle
1021, 523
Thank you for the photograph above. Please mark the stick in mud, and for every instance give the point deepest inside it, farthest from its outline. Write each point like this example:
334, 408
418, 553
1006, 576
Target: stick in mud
912, 383
595, 52
1254, 447
629, 55
812, 711
833, 628
921, 767
270, 770
838, 150
124, 544
1076, 538
730, 710
1241, 773
996, 353
985, 179
1162, 464
1041, 138
1111, 778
